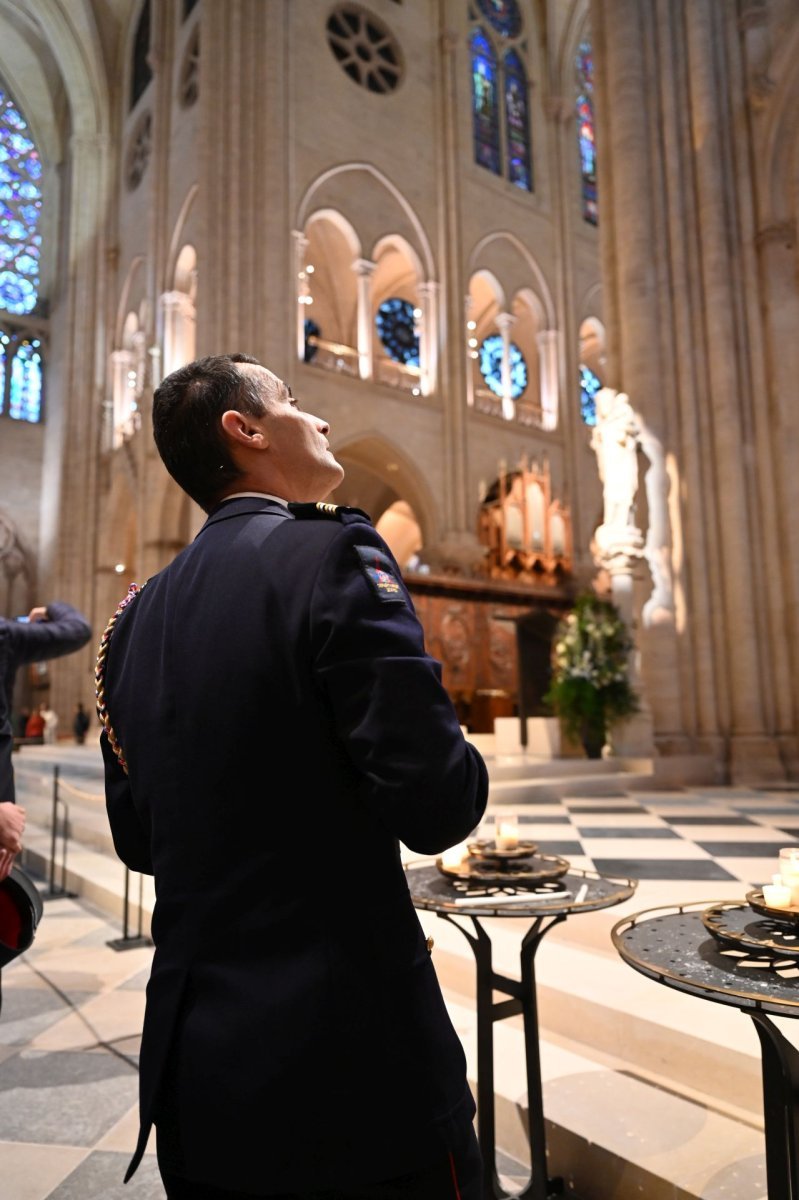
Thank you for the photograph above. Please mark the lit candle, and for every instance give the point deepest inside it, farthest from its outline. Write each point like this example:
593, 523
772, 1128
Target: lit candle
453, 858
777, 895
789, 864
507, 833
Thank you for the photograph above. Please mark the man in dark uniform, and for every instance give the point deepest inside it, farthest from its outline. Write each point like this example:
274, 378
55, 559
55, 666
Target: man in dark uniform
46, 633
273, 727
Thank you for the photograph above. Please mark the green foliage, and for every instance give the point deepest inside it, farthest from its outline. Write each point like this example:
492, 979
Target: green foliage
590, 662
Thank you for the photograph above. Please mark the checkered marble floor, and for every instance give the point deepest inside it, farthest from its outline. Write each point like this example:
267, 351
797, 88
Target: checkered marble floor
73, 1007
702, 834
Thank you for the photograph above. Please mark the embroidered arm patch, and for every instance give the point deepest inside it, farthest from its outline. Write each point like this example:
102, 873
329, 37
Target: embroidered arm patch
381, 574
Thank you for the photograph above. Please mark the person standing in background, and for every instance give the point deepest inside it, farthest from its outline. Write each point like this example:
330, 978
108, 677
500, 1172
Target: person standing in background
47, 633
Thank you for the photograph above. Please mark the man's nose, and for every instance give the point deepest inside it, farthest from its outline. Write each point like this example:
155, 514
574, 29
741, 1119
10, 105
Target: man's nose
322, 425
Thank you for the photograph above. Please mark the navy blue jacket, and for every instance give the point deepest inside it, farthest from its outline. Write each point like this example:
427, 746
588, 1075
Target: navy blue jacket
65, 630
283, 728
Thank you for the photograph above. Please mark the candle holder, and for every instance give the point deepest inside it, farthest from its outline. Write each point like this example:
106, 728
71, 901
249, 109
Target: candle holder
487, 848
529, 871
756, 901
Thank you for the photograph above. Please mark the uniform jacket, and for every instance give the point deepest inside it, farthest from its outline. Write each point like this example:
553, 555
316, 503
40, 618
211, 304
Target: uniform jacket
283, 728
65, 630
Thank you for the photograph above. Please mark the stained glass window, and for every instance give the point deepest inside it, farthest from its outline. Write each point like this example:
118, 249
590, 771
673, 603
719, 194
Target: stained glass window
491, 366
312, 330
396, 328
586, 131
485, 108
20, 209
589, 386
502, 15
20, 377
517, 122
141, 72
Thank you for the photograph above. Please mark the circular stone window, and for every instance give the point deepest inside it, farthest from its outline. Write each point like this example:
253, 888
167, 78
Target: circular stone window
491, 366
365, 48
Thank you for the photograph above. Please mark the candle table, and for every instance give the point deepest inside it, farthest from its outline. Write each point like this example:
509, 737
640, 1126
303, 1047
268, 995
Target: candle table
574, 892
675, 946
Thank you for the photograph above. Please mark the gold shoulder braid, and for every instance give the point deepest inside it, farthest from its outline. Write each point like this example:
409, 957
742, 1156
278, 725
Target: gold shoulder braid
99, 674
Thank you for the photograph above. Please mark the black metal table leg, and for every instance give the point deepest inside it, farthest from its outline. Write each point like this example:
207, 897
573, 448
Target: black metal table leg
780, 1062
523, 1000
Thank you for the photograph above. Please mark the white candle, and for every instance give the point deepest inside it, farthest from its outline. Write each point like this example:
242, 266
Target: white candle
789, 863
777, 896
507, 833
453, 858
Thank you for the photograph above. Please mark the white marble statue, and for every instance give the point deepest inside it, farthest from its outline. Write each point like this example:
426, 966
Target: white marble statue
615, 442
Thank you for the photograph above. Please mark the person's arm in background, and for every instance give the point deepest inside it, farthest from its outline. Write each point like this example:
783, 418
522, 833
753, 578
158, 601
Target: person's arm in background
389, 706
50, 633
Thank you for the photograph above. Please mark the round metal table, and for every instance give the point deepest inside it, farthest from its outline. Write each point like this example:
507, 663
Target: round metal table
431, 891
673, 946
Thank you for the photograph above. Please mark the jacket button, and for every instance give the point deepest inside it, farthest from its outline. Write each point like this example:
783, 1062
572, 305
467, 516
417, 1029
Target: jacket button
430, 945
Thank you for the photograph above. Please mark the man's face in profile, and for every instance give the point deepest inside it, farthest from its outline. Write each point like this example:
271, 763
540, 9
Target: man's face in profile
297, 457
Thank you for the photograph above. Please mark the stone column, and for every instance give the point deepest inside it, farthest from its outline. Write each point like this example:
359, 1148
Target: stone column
459, 547
69, 499
179, 333
505, 322
242, 209
547, 342
364, 269
121, 365
428, 337
301, 309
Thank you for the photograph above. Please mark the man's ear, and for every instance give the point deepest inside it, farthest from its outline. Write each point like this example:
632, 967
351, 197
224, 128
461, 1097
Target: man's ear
242, 430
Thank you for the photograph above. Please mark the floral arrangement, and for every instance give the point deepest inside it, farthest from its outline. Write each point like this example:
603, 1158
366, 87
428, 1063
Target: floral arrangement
590, 688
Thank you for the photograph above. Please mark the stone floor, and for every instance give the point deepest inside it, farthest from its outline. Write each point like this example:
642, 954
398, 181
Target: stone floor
655, 1093
69, 1042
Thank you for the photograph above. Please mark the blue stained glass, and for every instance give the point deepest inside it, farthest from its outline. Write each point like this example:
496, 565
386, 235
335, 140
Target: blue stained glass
491, 366
502, 15
518, 122
396, 328
312, 330
590, 384
19, 144
586, 132
25, 401
3, 154
17, 295
20, 211
3, 359
485, 107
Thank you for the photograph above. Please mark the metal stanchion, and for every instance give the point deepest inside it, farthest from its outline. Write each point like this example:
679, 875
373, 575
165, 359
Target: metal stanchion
60, 892
131, 941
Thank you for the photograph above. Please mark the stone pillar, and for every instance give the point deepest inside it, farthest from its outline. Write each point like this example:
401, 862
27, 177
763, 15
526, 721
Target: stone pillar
547, 342
671, 213
121, 366
300, 251
69, 500
242, 209
505, 322
459, 547
179, 339
364, 269
428, 337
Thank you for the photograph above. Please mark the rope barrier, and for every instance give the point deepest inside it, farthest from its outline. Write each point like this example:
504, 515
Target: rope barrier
96, 797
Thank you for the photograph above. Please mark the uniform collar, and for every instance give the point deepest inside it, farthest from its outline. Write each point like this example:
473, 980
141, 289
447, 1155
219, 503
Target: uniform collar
243, 503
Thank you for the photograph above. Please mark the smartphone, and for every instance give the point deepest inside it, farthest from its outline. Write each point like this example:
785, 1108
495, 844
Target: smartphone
24, 620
